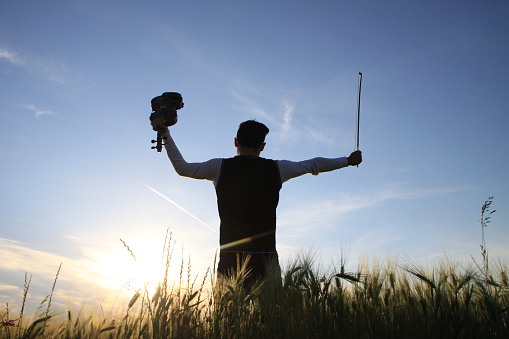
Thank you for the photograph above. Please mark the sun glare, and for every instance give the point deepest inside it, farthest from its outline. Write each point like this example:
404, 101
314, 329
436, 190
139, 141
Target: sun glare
137, 263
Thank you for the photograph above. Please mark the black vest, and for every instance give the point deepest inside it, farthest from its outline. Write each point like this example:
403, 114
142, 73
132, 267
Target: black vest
247, 196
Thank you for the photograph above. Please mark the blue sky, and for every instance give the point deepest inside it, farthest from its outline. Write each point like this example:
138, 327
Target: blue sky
77, 172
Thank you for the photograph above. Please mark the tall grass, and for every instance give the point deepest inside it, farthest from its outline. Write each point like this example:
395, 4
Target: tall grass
393, 298
390, 299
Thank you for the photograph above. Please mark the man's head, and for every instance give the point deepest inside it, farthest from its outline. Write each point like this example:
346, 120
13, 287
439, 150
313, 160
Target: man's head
251, 135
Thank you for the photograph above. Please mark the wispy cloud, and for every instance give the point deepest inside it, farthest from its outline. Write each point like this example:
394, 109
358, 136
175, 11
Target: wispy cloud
377, 237
306, 217
399, 190
20, 258
37, 111
97, 275
244, 94
11, 57
304, 221
282, 114
287, 119
52, 69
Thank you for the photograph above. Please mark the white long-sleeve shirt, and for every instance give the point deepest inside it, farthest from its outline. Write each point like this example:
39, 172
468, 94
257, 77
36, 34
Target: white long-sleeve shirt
211, 169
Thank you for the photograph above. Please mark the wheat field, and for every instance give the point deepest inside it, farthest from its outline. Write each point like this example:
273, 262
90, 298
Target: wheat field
380, 299
392, 298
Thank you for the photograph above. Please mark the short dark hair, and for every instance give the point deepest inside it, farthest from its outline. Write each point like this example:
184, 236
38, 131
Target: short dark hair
251, 134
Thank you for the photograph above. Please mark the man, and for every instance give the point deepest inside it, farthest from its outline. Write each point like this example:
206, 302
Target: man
247, 188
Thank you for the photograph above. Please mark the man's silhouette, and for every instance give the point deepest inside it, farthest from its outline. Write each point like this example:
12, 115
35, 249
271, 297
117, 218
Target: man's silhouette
247, 188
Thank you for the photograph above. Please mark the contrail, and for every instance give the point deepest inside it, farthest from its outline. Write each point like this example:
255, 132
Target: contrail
180, 207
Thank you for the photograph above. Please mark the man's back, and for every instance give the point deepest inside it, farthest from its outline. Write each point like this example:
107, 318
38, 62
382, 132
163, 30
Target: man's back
247, 197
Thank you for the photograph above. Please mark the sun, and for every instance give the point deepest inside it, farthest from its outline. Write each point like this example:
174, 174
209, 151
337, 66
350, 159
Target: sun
137, 263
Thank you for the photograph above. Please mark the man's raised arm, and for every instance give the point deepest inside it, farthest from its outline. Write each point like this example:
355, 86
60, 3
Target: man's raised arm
208, 170
292, 169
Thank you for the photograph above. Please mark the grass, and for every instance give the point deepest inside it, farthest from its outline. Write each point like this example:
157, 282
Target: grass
394, 298
390, 299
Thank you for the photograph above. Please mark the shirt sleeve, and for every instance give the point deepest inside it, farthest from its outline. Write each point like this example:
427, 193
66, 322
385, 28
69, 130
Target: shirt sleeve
292, 169
208, 170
